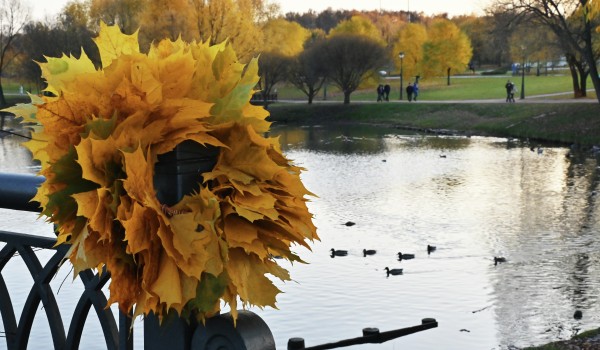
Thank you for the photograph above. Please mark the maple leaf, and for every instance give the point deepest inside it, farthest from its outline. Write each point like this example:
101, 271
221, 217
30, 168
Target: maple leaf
112, 43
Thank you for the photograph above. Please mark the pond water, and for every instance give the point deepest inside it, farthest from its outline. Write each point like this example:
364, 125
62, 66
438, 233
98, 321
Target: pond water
474, 198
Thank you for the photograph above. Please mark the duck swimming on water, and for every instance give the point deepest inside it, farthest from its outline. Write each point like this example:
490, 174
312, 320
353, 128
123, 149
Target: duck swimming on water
405, 256
369, 252
338, 252
393, 271
498, 260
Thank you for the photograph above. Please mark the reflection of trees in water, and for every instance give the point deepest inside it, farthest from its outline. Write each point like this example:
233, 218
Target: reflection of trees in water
444, 142
554, 246
342, 139
14, 157
360, 139
582, 178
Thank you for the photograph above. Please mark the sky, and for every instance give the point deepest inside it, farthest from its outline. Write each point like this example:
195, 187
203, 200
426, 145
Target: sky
429, 7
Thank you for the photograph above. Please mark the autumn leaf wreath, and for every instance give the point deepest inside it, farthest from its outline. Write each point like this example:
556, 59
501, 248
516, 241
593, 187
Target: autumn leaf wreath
98, 136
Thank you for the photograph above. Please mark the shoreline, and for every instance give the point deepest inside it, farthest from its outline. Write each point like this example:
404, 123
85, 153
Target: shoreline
565, 123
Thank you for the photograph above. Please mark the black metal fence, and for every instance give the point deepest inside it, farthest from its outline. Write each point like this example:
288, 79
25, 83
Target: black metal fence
16, 192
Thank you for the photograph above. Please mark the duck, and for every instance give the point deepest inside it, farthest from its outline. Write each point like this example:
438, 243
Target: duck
405, 256
393, 272
369, 252
499, 259
350, 223
338, 252
430, 248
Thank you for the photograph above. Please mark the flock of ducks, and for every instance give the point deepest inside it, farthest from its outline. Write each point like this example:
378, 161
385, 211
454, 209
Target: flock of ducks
401, 256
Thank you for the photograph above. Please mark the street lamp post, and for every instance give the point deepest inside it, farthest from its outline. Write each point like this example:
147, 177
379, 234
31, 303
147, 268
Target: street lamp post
401, 55
523, 75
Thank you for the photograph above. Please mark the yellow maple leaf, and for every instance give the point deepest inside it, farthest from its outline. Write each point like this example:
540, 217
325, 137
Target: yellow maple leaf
112, 43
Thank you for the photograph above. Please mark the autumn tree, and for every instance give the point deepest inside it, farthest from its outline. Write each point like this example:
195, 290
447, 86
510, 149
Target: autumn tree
218, 20
447, 49
476, 28
123, 13
358, 25
163, 19
411, 39
533, 43
348, 59
573, 22
307, 73
13, 17
284, 37
73, 31
389, 26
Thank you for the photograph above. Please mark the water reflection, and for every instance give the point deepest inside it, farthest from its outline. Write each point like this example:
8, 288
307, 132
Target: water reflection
474, 198
484, 197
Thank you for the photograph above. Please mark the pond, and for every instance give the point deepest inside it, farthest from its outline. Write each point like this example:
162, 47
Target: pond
473, 198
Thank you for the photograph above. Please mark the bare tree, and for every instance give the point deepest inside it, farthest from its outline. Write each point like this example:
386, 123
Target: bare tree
273, 68
572, 24
307, 73
13, 17
348, 59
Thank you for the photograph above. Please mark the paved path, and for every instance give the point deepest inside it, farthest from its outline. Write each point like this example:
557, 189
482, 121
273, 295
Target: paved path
546, 98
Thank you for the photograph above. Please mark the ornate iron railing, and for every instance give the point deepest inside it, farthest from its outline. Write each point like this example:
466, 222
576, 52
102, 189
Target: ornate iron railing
15, 193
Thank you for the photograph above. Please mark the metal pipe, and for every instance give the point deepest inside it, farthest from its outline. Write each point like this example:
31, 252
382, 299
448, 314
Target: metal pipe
17, 190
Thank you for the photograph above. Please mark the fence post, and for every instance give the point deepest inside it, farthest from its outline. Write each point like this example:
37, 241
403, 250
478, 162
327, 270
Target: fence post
178, 173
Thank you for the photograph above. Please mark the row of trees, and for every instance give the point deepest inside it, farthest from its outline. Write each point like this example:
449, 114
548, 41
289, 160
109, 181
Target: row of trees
254, 27
290, 45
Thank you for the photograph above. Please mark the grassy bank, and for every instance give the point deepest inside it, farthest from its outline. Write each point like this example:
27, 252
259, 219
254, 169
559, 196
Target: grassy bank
566, 122
466, 87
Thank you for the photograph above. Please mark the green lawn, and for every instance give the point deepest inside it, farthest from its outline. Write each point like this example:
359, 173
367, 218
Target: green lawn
464, 87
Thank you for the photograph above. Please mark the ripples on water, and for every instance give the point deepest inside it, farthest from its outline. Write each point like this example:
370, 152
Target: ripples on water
488, 197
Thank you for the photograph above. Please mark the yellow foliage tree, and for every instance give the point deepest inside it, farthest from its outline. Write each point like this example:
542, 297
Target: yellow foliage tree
124, 13
410, 41
162, 19
358, 25
448, 49
215, 21
98, 137
284, 37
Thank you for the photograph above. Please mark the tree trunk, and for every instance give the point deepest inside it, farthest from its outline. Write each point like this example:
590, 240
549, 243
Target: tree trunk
589, 55
448, 76
346, 97
574, 75
2, 99
583, 75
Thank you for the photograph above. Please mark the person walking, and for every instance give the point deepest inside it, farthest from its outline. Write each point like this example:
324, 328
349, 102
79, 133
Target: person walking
409, 92
380, 93
513, 92
510, 95
386, 90
415, 91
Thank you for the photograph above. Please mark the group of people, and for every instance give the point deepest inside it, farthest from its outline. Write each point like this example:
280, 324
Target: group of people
383, 93
511, 90
412, 91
